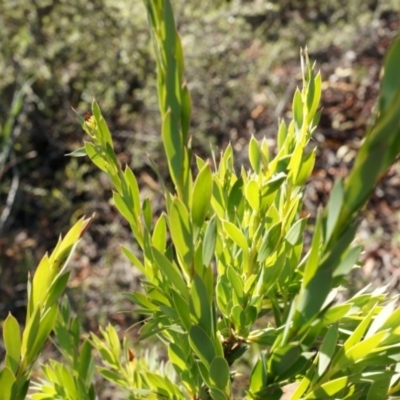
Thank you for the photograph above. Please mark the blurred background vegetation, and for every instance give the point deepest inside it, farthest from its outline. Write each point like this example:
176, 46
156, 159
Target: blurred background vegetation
242, 66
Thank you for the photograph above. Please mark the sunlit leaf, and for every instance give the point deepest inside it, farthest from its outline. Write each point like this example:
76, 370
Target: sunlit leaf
202, 191
12, 342
201, 344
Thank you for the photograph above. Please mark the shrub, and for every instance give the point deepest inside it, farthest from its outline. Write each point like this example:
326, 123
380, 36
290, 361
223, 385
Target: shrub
225, 269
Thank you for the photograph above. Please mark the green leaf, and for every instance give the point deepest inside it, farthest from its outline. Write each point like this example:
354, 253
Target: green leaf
282, 134
182, 308
142, 300
202, 345
173, 145
313, 258
282, 165
44, 329
306, 167
102, 127
310, 88
218, 200
20, 388
294, 236
296, 161
238, 237
63, 251
335, 313
361, 350
7, 380
123, 208
112, 376
12, 343
238, 317
379, 389
348, 262
314, 102
147, 214
226, 164
254, 155
134, 260
330, 390
327, 350
259, 375
171, 271
273, 184
223, 298
252, 193
81, 152
86, 363
204, 372
313, 296
300, 366
181, 232
57, 289
200, 162
297, 109
186, 107
236, 281
333, 208
217, 394
354, 338
269, 242
177, 357
390, 83
282, 358
133, 191
97, 158
210, 238
235, 198
339, 247
200, 307
265, 153
202, 191
392, 321
67, 380
41, 281
30, 332
264, 337
219, 373
112, 339
159, 237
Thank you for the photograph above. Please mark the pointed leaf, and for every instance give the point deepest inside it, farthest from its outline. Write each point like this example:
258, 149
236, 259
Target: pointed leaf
202, 345
202, 191
12, 342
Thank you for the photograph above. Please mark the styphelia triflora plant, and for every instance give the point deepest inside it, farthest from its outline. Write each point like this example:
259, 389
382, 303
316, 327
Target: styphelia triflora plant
224, 269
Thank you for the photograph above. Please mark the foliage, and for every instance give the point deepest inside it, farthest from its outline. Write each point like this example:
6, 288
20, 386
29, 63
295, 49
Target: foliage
44, 290
224, 266
229, 57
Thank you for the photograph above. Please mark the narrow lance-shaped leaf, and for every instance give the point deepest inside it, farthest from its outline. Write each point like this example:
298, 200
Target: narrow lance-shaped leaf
200, 307
202, 192
173, 147
238, 238
210, 238
202, 345
170, 270
254, 155
7, 381
181, 232
259, 375
327, 350
12, 343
